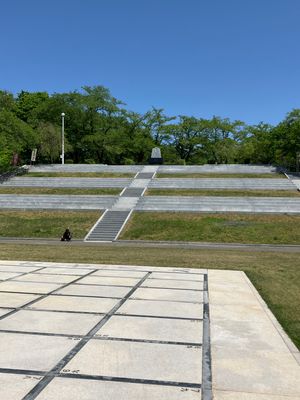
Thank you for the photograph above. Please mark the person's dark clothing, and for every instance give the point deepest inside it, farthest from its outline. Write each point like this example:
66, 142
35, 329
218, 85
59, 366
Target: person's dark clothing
66, 236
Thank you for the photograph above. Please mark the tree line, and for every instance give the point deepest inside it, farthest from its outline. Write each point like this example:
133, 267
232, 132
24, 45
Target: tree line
99, 129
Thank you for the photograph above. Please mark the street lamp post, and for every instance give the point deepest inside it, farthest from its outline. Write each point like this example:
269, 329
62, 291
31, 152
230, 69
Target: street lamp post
62, 138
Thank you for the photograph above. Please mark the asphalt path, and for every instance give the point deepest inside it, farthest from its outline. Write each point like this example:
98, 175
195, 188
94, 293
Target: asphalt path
160, 244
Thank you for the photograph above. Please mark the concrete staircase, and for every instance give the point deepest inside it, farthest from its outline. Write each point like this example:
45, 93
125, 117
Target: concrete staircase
108, 227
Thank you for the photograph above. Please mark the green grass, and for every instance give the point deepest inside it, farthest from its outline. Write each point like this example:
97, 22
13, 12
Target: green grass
219, 175
220, 228
59, 191
46, 224
221, 192
275, 275
80, 174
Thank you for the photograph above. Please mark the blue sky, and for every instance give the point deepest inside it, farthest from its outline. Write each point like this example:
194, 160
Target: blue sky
232, 58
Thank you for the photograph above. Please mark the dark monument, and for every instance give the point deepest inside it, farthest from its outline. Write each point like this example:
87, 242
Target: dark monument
156, 157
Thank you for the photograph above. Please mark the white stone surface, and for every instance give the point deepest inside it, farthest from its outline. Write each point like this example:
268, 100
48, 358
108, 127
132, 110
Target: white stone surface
66, 271
172, 284
16, 386
95, 290
50, 322
8, 275
32, 352
168, 294
4, 311
162, 329
139, 360
162, 309
70, 303
28, 287
47, 278
109, 280
76, 389
120, 273
15, 299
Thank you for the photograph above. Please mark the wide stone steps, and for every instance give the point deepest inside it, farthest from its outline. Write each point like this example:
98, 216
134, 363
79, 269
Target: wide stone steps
86, 168
132, 192
219, 183
219, 204
220, 168
71, 202
108, 226
69, 182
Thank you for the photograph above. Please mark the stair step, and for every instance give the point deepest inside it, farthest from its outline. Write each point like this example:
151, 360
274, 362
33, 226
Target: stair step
108, 227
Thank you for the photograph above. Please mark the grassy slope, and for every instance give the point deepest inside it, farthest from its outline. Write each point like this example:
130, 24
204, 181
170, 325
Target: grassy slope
59, 191
220, 192
220, 228
276, 276
46, 224
219, 175
80, 174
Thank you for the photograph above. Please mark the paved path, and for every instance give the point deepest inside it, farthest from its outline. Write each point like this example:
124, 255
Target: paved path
160, 244
109, 332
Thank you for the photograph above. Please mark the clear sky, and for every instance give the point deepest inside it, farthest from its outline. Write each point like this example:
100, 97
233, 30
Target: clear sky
232, 58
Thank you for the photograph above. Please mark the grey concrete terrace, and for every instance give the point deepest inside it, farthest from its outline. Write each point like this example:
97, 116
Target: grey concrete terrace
68, 182
208, 168
112, 332
219, 204
221, 183
62, 202
86, 168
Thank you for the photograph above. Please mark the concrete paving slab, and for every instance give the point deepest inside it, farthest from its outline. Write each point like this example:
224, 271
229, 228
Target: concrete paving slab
18, 269
230, 312
265, 372
162, 309
50, 322
8, 275
139, 360
32, 352
247, 335
178, 276
15, 386
227, 297
79, 304
4, 311
28, 287
225, 395
79, 389
168, 294
172, 284
169, 330
95, 290
15, 299
66, 271
47, 278
119, 273
109, 280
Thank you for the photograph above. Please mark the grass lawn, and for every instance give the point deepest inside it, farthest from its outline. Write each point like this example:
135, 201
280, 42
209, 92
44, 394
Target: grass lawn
80, 174
221, 192
58, 191
46, 224
218, 175
220, 228
275, 275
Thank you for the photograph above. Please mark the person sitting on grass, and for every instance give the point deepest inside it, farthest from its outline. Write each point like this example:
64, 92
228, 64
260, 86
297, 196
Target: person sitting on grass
67, 235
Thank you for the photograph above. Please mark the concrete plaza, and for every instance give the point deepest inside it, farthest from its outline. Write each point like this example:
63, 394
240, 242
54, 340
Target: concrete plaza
83, 331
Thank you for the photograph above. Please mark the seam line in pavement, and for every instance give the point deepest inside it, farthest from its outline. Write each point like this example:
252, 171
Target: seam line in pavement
206, 352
